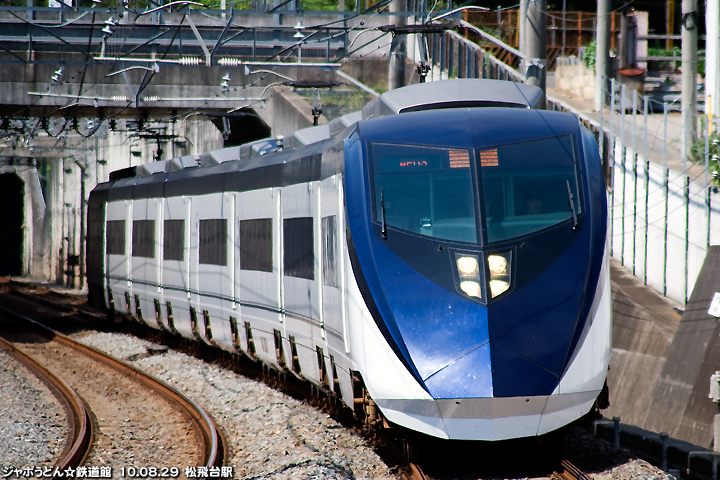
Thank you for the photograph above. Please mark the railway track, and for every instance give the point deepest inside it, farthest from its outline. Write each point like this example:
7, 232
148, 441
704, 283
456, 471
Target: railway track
569, 472
394, 450
116, 394
80, 431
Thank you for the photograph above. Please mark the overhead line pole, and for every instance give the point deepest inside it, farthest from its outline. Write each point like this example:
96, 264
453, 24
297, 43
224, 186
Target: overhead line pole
398, 47
689, 72
602, 51
522, 26
712, 61
536, 43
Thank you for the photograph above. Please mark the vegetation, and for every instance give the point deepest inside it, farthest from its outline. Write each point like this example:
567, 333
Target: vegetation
590, 50
697, 155
319, 5
663, 52
676, 51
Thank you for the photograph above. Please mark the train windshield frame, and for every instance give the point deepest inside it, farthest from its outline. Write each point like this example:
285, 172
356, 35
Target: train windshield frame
478, 196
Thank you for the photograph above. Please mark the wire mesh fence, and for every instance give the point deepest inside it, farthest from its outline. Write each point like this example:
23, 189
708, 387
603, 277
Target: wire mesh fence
664, 202
662, 174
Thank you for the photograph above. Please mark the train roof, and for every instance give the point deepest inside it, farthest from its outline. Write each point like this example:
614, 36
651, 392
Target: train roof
456, 93
446, 94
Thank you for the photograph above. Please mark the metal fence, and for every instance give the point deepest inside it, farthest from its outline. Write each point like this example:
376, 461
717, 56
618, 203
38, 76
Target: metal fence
664, 209
452, 56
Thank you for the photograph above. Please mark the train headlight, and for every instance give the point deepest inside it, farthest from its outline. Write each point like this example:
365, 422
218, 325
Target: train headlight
471, 288
470, 277
467, 266
497, 287
499, 265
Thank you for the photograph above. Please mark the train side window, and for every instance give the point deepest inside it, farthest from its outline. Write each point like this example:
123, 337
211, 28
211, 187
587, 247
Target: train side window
174, 240
143, 238
115, 237
299, 247
256, 244
213, 242
329, 254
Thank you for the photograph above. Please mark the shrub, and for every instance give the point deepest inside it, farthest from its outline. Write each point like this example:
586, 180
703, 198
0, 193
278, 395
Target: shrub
697, 153
590, 50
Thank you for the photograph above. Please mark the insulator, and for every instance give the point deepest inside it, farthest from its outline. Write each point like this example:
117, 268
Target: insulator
189, 61
229, 62
119, 98
151, 98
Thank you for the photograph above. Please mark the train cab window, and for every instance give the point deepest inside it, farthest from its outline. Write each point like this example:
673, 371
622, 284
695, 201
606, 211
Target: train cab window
527, 186
424, 190
174, 240
299, 247
143, 238
256, 244
329, 253
213, 242
115, 237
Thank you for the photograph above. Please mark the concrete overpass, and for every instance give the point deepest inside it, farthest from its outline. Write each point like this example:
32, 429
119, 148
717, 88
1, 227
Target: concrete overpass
105, 63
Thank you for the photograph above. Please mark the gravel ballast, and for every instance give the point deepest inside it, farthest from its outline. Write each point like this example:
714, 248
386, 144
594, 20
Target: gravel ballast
33, 425
271, 434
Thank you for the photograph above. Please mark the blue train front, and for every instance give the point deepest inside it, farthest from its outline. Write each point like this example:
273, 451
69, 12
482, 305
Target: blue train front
477, 241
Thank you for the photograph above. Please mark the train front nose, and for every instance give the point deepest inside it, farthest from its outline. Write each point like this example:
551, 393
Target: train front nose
490, 371
460, 349
468, 376
445, 335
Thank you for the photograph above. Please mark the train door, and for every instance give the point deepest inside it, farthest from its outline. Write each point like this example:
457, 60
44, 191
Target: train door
175, 257
331, 283
145, 253
300, 271
211, 261
331, 222
118, 261
258, 267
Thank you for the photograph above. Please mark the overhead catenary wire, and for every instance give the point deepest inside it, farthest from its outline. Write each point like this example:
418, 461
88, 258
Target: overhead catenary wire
81, 91
377, 8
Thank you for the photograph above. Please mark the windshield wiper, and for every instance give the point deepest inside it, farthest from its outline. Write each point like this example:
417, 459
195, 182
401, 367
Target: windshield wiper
572, 205
382, 211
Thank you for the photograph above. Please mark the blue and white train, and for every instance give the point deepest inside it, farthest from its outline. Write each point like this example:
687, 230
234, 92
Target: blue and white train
440, 256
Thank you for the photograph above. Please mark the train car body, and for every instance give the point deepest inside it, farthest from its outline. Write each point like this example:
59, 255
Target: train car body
447, 245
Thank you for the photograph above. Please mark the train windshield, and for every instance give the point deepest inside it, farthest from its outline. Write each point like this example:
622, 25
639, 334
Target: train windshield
528, 186
424, 190
523, 188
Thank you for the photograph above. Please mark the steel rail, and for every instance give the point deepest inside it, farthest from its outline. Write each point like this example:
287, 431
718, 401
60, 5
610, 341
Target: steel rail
81, 429
416, 473
570, 472
214, 444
